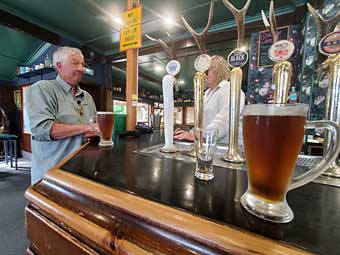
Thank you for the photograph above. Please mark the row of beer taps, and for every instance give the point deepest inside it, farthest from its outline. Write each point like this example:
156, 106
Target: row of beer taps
282, 72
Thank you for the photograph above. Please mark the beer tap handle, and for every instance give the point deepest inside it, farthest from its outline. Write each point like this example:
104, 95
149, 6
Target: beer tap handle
171, 51
272, 26
324, 26
239, 18
200, 37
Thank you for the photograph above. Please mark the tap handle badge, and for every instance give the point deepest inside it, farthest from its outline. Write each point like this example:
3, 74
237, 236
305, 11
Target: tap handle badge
330, 44
237, 58
281, 50
173, 67
202, 63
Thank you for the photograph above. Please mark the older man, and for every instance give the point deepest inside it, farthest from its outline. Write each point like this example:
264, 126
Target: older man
59, 112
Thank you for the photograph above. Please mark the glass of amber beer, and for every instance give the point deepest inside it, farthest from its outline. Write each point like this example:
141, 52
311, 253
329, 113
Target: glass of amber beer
105, 122
273, 135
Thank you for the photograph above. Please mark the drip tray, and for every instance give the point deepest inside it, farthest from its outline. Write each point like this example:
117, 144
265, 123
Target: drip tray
182, 154
304, 162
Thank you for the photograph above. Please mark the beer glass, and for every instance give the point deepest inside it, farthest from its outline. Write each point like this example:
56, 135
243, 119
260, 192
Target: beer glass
273, 135
105, 122
205, 145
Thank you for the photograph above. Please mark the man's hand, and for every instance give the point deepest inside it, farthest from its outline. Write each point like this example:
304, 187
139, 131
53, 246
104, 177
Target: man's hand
93, 131
184, 135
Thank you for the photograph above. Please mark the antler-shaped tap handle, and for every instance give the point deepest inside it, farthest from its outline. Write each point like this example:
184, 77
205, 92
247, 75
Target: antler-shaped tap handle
323, 26
200, 37
272, 27
239, 18
171, 51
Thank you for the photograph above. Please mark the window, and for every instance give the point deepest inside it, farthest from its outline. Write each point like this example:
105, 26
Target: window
119, 107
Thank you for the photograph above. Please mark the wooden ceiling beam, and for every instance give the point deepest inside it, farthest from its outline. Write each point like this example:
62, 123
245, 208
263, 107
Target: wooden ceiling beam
17, 23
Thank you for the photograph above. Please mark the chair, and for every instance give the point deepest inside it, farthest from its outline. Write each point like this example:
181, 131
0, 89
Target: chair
10, 149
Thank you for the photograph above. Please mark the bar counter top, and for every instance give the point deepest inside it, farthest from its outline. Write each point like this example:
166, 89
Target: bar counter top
170, 185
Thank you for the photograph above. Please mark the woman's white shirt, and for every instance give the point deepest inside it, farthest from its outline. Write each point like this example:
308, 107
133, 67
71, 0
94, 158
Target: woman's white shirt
216, 109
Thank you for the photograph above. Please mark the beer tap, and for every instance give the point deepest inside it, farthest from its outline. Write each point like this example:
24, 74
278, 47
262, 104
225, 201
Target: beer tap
279, 52
202, 64
168, 83
236, 59
329, 46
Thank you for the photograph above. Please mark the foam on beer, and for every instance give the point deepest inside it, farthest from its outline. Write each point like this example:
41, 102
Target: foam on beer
276, 110
104, 112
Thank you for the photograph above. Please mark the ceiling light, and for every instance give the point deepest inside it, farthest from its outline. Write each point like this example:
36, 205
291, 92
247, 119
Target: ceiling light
118, 20
168, 21
181, 81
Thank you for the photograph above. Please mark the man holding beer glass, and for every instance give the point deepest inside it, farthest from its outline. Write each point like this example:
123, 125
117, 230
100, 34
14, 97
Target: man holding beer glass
59, 112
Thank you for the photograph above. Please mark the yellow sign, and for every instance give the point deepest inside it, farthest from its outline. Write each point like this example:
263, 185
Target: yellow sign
134, 100
134, 97
132, 17
130, 38
131, 31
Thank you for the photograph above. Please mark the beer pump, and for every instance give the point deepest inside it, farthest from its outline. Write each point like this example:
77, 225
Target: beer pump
236, 59
202, 64
330, 46
168, 83
279, 52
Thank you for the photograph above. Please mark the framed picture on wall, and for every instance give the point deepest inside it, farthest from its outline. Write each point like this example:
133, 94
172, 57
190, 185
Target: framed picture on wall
17, 99
264, 42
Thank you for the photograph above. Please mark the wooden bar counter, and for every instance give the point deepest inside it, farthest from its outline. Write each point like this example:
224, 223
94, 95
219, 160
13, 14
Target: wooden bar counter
114, 201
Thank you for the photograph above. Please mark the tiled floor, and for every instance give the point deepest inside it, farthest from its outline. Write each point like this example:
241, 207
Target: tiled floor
12, 204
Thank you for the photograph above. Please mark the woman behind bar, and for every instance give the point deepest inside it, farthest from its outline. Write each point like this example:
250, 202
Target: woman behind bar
216, 101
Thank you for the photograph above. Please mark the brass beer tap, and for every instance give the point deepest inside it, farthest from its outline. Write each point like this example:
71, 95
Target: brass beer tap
332, 64
200, 77
236, 73
282, 70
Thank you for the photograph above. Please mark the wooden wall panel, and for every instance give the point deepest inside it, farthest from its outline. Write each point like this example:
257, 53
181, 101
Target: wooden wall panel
48, 239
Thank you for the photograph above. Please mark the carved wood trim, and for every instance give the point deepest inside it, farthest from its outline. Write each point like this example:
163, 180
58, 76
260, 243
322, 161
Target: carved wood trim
209, 233
75, 222
49, 239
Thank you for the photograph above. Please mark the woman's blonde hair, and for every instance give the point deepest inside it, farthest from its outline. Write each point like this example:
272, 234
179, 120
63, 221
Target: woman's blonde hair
220, 67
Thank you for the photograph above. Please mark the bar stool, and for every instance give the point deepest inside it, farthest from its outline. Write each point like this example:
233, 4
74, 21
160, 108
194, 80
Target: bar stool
10, 148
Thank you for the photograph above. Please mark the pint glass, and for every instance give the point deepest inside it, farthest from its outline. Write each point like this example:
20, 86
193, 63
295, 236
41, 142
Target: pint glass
105, 122
273, 135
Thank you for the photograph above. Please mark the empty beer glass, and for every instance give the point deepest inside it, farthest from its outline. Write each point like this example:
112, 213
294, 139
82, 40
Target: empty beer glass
205, 145
273, 135
105, 122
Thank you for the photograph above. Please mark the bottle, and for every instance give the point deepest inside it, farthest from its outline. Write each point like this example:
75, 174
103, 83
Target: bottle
48, 62
293, 96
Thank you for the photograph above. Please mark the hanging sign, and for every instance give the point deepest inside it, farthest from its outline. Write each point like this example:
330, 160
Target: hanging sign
131, 30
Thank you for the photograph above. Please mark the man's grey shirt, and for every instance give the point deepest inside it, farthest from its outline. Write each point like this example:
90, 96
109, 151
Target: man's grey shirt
51, 101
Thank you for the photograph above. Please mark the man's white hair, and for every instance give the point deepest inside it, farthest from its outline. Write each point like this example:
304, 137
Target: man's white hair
61, 54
